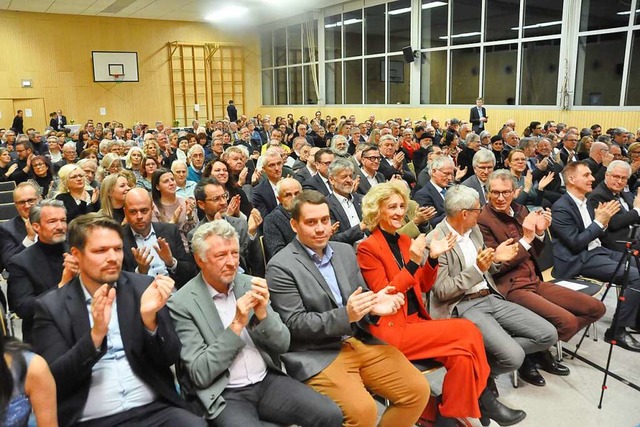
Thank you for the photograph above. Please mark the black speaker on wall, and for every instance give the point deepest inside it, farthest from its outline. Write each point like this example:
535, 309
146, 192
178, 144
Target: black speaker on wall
409, 55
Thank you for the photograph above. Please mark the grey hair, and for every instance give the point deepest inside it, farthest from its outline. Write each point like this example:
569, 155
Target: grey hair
458, 198
472, 137
272, 153
219, 227
526, 142
619, 164
193, 149
440, 162
485, 134
36, 210
178, 162
388, 137
336, 138
69, 145
502, 175
483, 156
340, 164
284, 181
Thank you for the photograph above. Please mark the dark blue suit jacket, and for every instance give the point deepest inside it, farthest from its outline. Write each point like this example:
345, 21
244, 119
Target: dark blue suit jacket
618, 227
316, 183
429, 196
346, 233
62, 335
570, 237
263, 198
12, 233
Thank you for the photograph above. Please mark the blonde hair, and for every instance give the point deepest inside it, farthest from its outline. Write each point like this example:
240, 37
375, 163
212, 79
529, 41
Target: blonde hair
63, 174
376, 196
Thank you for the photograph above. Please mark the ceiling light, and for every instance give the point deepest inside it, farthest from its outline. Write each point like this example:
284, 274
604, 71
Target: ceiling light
458, 36
628, 12
226, 13
347, 22
433, 4
540, 25
400, 11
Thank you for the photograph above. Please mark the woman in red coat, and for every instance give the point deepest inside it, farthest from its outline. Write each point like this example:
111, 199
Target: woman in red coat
390, 259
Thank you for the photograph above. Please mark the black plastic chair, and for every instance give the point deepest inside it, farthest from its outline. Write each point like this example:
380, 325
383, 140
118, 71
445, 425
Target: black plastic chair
7, 211
6, 197
7, 186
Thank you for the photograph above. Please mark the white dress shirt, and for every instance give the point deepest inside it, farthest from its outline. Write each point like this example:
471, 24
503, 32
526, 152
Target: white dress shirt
586, 219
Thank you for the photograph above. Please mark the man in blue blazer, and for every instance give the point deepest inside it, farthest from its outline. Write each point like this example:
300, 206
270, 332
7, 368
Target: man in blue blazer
577, 249
263, 195
231, 342
108, 338
442, 171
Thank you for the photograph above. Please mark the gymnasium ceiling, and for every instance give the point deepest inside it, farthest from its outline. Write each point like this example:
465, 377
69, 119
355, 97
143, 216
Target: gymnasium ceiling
258, 11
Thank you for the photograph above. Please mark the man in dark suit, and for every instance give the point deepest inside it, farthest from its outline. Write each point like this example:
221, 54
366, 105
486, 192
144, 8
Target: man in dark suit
432, 194
232, 111
263, 195
320, 181
17, 234
612, 188
211, 197
577, 250
483, 163
478, 116
319, 292
62, 120
393, 162
370, 159
153, 248
309, 169
18, 123
43, 266
544, 164
598, 160
227, 325
108, 337
345, 206
567, 153
277, 229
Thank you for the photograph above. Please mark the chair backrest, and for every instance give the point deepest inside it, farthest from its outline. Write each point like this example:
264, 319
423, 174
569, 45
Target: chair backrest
6, 197
545, 259
7, 211
7, 186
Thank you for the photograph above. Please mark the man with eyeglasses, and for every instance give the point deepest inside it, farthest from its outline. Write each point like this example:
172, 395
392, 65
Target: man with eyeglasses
483, 164
614, 188
598, 161
465, 288
520, 279
369, 164
577, 229
213, 199
568, 151
320, 181
153, 248
441, 171
17, 234
24, 150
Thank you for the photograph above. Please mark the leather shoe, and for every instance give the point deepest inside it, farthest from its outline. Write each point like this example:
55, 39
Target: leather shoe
623, 339
492, 409
529, 373
546, 362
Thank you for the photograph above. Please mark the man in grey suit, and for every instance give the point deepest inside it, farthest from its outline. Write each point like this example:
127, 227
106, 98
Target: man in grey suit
483, 163
319, 292
231, 340
345, 205
464, 288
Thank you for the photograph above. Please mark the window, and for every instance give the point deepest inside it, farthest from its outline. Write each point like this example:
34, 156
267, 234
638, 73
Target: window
353, 81
375, 79
539, 81
600, 14
542, 17
333, 78
599, 69
465, 75
352, 27
399, 25
500, 74
374, 29
502, 21
433, 81
434, 24
333, 37
465, 25
633, 87
399, 83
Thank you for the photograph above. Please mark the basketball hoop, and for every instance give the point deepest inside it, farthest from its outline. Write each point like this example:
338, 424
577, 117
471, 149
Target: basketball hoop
118, 78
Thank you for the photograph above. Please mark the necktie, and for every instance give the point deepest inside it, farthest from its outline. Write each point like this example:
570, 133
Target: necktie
443, 192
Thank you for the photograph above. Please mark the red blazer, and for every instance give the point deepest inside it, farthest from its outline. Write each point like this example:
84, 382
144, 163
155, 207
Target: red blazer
379, 269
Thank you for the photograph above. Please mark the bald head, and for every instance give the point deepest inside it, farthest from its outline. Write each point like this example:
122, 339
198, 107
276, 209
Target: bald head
138, 210
288, 189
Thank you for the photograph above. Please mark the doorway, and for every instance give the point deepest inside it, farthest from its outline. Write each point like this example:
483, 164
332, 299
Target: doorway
34, 114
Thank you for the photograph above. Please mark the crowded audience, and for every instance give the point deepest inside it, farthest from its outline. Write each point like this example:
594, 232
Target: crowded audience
273, 271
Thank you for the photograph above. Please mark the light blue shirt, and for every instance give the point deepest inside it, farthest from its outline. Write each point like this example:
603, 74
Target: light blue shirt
114, 386
327, 271
248, 367
187, 191
157, 265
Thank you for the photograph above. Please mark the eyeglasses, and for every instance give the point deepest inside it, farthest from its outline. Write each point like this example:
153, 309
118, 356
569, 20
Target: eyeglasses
216, 199
484, 168
618, 177
505, 194
26, 202
373, 158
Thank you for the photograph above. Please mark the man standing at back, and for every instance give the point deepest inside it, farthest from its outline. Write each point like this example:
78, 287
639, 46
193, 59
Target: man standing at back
109, 339
319, 292
478, 116
232, 111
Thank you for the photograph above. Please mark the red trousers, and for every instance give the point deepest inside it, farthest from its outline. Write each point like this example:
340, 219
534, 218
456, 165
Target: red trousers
458, 345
